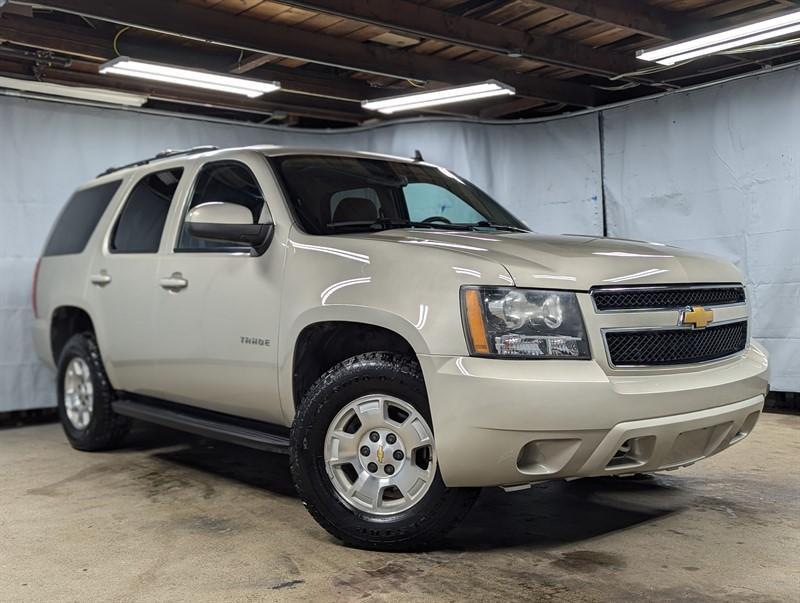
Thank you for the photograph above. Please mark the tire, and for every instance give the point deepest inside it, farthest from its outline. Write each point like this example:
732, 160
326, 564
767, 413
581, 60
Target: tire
102, 428
377, 378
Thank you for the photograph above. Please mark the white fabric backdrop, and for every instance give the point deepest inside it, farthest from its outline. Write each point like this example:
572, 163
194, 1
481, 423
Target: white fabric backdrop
718, 170
547, 173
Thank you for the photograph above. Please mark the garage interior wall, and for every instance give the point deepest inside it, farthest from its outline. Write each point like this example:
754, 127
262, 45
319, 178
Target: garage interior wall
714, 169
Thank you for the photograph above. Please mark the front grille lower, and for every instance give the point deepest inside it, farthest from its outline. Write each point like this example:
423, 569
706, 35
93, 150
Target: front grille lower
658, 347
666, 297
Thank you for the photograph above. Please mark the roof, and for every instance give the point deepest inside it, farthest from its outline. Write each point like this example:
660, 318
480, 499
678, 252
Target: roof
169, 156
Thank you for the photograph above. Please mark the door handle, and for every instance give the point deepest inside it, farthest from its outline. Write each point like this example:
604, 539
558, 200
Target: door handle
101, 279
174, 282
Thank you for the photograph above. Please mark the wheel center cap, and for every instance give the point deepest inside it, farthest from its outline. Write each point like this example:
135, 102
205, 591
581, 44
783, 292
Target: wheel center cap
382, 452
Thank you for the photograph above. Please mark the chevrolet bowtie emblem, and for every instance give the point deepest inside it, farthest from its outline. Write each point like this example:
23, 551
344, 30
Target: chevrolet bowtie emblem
697, 316
380, 454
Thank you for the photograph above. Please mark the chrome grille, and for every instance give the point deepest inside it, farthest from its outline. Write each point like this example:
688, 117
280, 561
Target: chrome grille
659, 298
658, 347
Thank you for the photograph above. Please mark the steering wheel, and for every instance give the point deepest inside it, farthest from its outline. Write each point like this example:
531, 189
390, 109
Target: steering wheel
436, 219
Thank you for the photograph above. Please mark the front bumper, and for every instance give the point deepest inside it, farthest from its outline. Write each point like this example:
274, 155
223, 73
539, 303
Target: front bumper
508, 422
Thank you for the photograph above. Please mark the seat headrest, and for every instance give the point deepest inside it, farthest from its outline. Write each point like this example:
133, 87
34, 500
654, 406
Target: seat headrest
355, 209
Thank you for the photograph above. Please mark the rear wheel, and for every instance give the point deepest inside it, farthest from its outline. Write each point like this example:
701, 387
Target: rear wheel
364, 457
85, 396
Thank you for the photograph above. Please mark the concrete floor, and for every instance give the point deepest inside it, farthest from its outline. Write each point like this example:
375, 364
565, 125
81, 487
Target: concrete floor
173, 517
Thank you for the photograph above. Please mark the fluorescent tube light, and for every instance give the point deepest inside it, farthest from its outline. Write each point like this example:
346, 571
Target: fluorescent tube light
188, 77
92, 94
723, 40
443, 96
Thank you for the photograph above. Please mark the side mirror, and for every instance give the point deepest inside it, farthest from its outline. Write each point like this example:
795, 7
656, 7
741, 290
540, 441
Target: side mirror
229, 222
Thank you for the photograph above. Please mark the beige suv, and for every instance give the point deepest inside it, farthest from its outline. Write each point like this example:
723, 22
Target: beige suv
401, 336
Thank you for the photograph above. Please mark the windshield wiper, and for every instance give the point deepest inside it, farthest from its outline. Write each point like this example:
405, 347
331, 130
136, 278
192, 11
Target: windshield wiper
496, 226
386, 224
379, 224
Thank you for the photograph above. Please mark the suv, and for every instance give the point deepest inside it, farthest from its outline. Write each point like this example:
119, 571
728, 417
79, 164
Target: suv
401, 336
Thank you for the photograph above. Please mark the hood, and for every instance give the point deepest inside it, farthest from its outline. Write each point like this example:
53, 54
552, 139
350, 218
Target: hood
573, 261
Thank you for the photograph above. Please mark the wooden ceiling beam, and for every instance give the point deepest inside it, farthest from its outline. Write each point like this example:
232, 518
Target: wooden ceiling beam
83, 76
75, 42
86, 43
217, 27
67, 39
423, 21
251, 62
653, 21
635, 16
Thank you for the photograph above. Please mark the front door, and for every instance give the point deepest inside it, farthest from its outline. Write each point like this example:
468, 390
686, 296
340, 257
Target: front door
218, 304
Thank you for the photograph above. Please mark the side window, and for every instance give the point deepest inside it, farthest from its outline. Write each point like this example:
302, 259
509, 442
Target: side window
139, 227
424, 200
80, 216
227, 182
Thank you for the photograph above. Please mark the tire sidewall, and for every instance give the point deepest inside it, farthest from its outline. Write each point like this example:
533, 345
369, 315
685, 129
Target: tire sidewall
359, 378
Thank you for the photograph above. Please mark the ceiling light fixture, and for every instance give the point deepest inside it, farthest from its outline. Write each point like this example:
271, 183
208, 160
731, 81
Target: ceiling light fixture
112, 97
442, 96
720, 41
188, 77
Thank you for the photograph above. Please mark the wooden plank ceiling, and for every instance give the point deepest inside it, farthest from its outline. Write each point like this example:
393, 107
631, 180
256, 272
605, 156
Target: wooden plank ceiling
560, 55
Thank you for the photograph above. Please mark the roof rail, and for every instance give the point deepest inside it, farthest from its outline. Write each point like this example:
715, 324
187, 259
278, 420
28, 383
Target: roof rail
162, 155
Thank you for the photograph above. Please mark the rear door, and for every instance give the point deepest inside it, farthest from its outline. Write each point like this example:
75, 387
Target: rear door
62, 274
123, 281
218, 303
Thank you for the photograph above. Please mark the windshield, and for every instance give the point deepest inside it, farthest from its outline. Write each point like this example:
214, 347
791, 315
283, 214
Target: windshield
333, 195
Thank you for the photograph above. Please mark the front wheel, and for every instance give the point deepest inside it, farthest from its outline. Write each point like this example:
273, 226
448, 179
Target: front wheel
363, 457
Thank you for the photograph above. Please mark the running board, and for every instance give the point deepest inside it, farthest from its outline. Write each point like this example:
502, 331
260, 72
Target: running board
185, 420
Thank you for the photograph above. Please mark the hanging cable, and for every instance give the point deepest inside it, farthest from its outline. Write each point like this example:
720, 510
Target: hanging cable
762, 47
647, 71
116, 39
626, 86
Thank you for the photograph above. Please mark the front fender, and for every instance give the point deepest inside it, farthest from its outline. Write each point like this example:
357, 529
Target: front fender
410, 289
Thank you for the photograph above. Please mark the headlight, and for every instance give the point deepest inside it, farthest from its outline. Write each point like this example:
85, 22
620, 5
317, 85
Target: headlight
523, 323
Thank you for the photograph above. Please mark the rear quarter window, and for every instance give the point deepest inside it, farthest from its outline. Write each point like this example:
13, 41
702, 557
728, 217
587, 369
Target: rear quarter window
80, 216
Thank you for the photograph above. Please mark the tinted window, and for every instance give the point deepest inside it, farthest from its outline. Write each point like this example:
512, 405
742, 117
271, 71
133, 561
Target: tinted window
338, 194
141, 222
365, 193
79, 218
227, 182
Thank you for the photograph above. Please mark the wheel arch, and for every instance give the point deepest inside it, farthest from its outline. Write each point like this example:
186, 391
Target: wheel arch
322, 345
308, 353
66, 321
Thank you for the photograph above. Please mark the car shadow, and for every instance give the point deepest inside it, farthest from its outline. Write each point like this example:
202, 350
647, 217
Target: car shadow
557, 513
547, 515
263, 470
